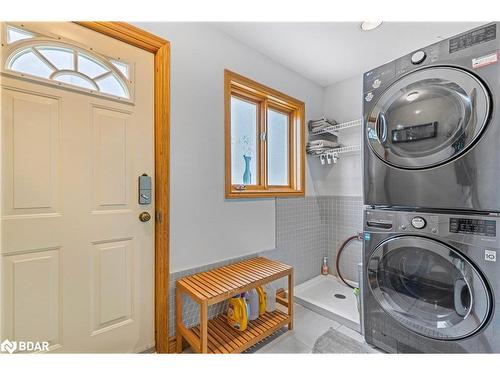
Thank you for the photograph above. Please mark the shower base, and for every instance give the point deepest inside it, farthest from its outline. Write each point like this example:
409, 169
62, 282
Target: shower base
329, 297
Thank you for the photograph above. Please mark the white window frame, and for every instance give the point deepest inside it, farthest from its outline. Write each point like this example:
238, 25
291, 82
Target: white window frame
10, 51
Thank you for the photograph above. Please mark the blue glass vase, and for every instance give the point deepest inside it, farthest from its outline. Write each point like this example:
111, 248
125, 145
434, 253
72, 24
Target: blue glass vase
247, 175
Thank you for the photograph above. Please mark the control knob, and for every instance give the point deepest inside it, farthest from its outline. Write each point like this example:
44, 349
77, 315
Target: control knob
418, 57
418, 222
376, 84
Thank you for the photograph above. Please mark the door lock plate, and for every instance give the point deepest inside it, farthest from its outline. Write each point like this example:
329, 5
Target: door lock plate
144, 189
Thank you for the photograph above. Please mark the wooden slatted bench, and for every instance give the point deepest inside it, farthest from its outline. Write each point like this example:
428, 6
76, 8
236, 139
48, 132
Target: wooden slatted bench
208, 288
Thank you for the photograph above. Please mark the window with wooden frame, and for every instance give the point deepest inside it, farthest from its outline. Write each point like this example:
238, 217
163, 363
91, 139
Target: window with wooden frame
264, 139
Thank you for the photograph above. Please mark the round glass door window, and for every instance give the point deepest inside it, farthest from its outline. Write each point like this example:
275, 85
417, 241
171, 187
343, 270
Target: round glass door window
428, 118
429, 288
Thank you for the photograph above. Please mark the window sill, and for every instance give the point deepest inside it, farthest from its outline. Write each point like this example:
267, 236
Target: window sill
274, 193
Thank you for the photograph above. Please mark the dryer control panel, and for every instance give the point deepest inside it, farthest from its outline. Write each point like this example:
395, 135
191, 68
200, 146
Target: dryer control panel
444, 52
477, 36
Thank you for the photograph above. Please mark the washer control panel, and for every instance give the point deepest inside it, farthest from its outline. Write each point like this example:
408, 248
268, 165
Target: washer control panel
474, 226
482, 231
419, 223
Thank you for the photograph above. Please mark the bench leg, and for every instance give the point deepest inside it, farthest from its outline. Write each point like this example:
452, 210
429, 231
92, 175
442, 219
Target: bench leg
178, 318
204, 327
290, 299
178, 343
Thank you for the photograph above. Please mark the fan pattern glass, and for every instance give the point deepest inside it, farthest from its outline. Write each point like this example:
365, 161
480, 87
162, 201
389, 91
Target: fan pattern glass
14, 34
64, 64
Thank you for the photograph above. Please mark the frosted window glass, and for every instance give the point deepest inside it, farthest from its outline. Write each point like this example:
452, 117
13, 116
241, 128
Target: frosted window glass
122, 67
111, 85
75, 80
243, 142
29, 63
277, 148
61, 58
90, 67
14, 35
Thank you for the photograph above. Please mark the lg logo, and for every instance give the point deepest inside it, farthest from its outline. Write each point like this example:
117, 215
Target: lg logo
490, 255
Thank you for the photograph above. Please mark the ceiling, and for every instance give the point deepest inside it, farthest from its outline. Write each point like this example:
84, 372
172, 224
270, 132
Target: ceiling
328, 52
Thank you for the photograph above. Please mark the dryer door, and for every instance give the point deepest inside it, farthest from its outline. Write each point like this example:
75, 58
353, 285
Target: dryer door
429, 288
428, 117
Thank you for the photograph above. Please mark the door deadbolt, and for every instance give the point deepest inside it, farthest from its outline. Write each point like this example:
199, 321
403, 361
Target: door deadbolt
144, 216
144, 189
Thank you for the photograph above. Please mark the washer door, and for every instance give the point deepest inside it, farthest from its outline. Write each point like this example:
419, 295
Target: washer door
429, 288
428, 117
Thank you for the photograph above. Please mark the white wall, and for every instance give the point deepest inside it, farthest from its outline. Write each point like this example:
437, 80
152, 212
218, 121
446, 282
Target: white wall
205, 227
342, 102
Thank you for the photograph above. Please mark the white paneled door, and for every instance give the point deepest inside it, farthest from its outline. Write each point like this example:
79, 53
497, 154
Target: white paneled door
77, 263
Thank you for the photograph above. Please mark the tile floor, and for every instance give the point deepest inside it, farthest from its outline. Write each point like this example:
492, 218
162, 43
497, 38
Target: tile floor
309, 325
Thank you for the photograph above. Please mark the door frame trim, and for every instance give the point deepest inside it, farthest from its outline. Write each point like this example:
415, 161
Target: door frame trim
160, 48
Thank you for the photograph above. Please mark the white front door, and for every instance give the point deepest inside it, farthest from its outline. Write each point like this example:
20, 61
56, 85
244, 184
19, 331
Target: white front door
77, 263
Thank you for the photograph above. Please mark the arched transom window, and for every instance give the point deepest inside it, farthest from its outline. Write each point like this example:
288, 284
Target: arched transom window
65, 64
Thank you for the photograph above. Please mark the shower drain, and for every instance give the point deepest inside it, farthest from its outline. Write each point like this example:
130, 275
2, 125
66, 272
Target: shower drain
339, 296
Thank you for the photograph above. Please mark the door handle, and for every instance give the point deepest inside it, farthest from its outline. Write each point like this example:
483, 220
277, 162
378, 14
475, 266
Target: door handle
144, 216
379, 224
462, 298
381, 128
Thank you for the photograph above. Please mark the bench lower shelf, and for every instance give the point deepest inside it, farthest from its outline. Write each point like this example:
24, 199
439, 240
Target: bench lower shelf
224, 339
220, 284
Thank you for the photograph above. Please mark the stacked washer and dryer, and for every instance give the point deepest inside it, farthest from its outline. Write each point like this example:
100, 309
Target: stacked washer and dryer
432, 198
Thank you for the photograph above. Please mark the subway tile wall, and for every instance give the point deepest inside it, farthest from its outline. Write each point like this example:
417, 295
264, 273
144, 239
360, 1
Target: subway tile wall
313, 227
307, 229
343, 217
300, 236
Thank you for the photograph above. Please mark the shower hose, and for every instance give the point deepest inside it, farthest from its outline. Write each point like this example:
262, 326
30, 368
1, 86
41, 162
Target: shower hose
339, 253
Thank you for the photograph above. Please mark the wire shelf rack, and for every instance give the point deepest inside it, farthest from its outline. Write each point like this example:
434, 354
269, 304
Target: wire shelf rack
335, 128
332, 156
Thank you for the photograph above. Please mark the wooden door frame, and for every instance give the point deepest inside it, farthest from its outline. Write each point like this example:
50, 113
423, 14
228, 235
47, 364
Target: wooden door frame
160, 48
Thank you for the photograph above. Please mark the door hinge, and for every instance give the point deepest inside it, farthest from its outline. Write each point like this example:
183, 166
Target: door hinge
158, 216
263, 136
